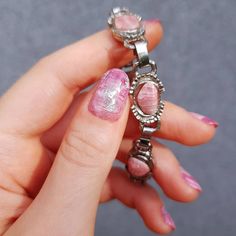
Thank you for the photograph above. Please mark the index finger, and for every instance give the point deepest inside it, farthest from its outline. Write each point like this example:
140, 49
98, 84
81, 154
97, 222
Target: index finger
43, 94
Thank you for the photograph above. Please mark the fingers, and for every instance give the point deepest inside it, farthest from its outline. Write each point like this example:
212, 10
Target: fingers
12, 205
90, 58
177, 124
90, 145
175, 182
43, 94
143, 198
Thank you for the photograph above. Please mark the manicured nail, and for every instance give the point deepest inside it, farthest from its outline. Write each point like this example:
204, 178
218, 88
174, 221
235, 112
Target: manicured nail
205, 119
167, 218
154, 20
190, 180
109, 99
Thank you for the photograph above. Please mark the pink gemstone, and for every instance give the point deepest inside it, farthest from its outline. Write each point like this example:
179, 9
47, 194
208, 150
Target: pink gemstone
126, 22
148, 98
137, 168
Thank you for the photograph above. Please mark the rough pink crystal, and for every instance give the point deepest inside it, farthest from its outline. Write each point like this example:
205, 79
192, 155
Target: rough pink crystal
148, 98
126, 22
137, 168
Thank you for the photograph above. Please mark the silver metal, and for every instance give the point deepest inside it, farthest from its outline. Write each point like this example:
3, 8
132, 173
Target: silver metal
128, 37
142, 70
151, 66
147, 131
142, 150
138, 81
142, 52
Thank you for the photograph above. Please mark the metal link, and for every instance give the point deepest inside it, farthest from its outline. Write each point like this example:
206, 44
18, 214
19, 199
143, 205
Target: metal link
142, 52
147, 131
129, 45
143, 71
151, 64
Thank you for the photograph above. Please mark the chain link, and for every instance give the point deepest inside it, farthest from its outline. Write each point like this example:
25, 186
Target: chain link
142, 70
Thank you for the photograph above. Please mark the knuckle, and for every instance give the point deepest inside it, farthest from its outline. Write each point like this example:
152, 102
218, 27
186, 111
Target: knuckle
83, 150
12, 206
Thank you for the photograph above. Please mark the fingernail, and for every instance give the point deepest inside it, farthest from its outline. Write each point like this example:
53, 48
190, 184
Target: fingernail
167, 218
205, 119
154, 20
190, 180
109, 99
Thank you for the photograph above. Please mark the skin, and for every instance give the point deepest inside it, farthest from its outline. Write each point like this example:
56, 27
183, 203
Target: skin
56, 157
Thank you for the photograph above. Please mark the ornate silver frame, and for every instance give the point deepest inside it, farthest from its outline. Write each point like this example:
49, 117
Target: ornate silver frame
126, 36
139, 80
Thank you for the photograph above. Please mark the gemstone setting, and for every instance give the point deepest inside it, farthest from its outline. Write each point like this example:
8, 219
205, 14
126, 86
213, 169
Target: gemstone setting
137, 167
126, 26
152, 112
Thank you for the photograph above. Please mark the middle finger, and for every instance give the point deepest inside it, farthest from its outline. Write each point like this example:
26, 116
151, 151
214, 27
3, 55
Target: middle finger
177, 124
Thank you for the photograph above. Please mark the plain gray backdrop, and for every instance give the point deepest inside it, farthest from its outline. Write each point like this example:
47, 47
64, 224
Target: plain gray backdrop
197, 63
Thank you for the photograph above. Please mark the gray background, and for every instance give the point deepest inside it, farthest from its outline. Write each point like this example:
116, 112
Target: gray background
197, 65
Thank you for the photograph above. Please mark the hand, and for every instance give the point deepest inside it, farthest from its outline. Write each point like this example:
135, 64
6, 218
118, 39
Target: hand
56, 155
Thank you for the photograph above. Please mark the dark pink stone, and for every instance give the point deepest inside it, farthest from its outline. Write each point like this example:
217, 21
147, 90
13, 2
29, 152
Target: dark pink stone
137, 168
126, 22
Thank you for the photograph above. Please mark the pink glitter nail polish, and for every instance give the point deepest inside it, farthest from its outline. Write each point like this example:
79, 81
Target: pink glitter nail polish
110, 97
154, 20
205, 119
167, 218
189, 179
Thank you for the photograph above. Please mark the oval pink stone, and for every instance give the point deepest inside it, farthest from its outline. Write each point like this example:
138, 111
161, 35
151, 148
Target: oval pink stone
137, 168
148, 98
126, 22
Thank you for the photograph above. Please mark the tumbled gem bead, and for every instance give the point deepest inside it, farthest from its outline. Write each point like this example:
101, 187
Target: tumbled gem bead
137, 168
148, 98
126, 22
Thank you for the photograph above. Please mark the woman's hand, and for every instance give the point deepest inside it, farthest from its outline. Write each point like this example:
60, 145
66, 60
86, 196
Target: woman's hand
56, 154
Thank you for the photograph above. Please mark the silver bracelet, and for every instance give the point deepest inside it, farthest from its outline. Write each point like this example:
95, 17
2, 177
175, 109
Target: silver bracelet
144, 85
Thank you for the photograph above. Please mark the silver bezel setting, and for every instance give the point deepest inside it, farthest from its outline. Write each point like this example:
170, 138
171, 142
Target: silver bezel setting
143, 152
140, 80
127, 36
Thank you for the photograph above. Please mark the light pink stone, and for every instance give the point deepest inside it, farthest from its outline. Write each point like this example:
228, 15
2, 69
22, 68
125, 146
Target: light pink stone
148, 98
126, 22
137, 168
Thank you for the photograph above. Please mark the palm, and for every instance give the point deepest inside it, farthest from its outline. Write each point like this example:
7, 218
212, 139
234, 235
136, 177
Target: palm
27, 163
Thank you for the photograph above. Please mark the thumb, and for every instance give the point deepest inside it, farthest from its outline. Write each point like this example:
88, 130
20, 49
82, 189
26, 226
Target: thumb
68, 200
